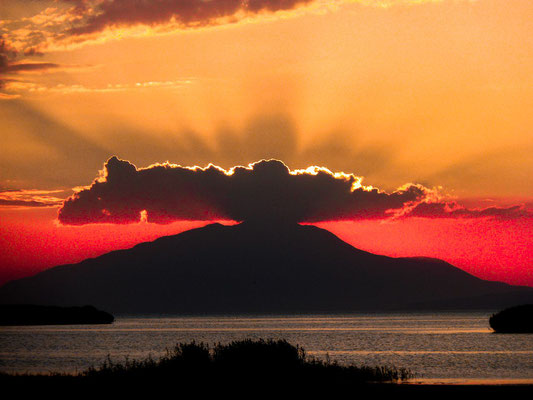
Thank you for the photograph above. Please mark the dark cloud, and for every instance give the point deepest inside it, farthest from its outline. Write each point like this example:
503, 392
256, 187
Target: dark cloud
25, 203
454, 210
70, 21
25, 67
190, 13
9, 54
266, 190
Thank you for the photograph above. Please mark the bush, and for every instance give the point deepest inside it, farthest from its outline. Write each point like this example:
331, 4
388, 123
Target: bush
245, 361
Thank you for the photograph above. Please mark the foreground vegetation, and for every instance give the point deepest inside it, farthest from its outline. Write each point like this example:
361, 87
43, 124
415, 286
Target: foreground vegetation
253, 368
239, 362
253, 360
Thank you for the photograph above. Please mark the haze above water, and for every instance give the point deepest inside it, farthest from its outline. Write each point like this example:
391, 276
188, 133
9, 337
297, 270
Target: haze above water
440, 347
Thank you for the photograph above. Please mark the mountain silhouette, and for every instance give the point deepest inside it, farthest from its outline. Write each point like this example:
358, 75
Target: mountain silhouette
258, 267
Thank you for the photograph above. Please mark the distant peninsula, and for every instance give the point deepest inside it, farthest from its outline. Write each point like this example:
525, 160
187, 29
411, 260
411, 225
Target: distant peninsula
25, 314
518, 319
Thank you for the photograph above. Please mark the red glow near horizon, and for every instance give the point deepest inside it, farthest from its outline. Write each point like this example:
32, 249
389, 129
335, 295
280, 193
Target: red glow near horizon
29, 247
489, 249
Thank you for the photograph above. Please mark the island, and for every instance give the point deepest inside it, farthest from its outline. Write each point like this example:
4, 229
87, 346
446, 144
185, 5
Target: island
518, 319
28, 314
257, 267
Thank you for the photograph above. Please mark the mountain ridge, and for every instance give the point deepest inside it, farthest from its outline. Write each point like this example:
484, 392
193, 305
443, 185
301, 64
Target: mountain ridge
258, 267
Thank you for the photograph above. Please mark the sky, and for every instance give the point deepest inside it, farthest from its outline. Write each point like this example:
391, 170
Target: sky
402, 126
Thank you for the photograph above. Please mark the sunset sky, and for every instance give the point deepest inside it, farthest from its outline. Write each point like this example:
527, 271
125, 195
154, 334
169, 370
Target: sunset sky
425, 106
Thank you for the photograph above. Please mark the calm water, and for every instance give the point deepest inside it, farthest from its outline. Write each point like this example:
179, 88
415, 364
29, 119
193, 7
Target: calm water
437, 347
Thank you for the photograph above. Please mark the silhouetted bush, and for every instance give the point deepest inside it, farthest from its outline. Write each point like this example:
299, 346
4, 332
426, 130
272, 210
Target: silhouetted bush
518, 319
258, 354
245, 361
245, 366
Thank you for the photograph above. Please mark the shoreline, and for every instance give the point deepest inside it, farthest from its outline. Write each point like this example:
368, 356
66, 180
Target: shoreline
41, 384
469, 382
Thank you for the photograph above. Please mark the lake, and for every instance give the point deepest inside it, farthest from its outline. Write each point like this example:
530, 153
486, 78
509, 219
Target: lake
437, 347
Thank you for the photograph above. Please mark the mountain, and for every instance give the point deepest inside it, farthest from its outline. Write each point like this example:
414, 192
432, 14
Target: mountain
258, 268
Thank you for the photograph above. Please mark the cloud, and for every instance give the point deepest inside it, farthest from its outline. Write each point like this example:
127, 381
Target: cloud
20, 86
263, 191
28, 67
454, 210
10, 67
266, 190
30, 198
98, 15
24, 203
68, 24
6, 96
187, 13
75, 22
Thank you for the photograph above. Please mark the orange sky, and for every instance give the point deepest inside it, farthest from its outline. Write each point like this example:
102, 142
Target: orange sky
432, 92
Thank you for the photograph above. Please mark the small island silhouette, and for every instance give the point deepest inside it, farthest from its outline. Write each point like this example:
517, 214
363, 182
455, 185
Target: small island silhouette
518, 319
27, 314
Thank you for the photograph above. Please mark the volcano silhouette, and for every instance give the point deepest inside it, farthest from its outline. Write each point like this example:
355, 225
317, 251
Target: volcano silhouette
256, 267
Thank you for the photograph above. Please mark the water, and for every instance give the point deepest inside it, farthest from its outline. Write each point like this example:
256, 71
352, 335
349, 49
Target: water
440, 347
